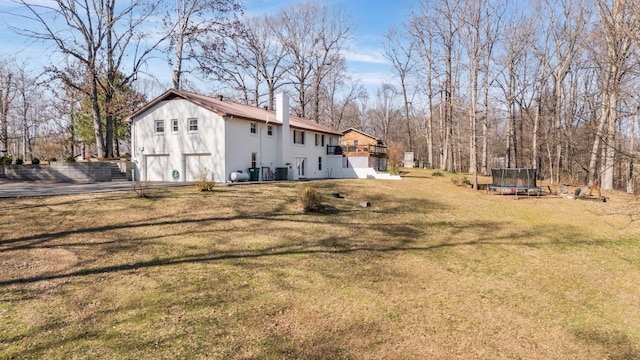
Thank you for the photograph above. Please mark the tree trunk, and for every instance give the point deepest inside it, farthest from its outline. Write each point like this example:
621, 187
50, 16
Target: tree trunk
630, 184
607, 175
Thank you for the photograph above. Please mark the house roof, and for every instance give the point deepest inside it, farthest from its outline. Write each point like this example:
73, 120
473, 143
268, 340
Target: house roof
225, 108
360, 132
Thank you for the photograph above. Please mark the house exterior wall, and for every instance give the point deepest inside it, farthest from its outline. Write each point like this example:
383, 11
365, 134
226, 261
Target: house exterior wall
171, 151
351, 136
222, 146
362, 155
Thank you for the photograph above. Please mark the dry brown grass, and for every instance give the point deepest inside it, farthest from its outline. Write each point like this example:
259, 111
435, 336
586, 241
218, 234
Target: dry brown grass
430, 270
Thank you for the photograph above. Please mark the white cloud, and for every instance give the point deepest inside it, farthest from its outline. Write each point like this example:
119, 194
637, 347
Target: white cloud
374, 57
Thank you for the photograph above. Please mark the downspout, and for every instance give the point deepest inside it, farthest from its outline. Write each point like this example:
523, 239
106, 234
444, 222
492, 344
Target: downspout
226, 151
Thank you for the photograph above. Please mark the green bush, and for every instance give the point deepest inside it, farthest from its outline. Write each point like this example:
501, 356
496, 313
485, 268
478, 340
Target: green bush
70, 158
309, 199
6, 160
437, 173
52, 159
19, 161
35, 161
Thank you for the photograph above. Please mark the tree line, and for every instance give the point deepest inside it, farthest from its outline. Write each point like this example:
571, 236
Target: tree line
478, 84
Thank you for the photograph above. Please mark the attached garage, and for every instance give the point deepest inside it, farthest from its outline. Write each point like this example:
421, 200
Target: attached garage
195, 165
157, 167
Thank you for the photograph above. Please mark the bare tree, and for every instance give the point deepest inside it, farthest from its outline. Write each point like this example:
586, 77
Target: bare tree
7, 93
400, 51
196, 27
314, 37
619, 28
424, 36
95, 36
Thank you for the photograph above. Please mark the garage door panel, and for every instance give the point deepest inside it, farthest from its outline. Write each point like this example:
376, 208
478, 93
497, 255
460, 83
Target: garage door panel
195, 164
157, 168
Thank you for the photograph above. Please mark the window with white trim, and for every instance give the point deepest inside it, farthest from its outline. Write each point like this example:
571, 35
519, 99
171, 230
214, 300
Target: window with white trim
319, 139
159, 125
254, 129
269, 130
174, 126
319, 162
298, 137
193, 125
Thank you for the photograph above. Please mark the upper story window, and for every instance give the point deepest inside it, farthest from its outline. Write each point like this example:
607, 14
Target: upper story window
319, 140
343, 142
355, 142
174, 126
298, 137
270, 130
193, 125
254, 129
159, 124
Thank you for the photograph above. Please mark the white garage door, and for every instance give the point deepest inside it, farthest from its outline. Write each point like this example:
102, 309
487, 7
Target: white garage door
195, 164
157, 168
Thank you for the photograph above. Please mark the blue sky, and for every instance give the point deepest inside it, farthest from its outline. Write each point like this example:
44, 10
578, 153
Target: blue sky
372, 18
365, 59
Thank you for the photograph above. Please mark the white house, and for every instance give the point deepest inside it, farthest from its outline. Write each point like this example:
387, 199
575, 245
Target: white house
180, 135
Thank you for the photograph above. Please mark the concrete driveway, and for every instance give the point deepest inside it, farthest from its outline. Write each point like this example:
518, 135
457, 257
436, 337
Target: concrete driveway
18, 189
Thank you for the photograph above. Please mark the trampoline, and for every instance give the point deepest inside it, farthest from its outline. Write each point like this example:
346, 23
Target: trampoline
515, 181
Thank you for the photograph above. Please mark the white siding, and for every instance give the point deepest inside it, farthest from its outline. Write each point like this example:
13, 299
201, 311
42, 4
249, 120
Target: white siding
221, 146
197, 165
157, 167
241, 143
209, 139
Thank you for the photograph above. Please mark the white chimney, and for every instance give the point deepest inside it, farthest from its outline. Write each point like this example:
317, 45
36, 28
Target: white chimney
282, 114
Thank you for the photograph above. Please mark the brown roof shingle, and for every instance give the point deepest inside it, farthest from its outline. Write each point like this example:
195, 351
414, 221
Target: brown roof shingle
225, 108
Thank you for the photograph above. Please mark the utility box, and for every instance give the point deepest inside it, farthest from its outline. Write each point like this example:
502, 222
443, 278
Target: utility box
282, 173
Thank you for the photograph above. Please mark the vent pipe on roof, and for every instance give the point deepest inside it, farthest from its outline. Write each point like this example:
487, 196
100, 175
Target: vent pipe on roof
221, 97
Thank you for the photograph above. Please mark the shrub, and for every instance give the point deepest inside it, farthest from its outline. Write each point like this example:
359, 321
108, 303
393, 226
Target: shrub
70, 158
142, 189
437, 174
6, 160
203, 183
19, 161
35, 161
309, 199
394, 170
52, 159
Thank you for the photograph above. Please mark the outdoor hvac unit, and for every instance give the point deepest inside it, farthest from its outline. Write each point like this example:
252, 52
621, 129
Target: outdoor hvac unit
282, 173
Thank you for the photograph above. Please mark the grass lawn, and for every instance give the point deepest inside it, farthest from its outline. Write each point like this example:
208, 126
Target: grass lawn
430, 270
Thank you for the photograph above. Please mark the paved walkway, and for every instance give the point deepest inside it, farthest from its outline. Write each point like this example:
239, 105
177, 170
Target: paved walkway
18, 189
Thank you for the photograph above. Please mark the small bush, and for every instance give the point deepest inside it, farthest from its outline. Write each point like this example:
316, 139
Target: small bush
70, 158
394, 170
52, 159
437, 174
143, 189
203, 182
6, 160
309, 199
35, 161
19, 161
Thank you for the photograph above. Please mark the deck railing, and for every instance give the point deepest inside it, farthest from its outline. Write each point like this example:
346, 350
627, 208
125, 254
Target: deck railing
372, 150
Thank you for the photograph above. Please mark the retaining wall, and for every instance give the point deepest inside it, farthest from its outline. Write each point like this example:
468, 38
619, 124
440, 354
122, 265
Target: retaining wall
59, 171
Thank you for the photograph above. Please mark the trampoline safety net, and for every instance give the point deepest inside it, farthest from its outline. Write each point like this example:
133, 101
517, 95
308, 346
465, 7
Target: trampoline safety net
514, 180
